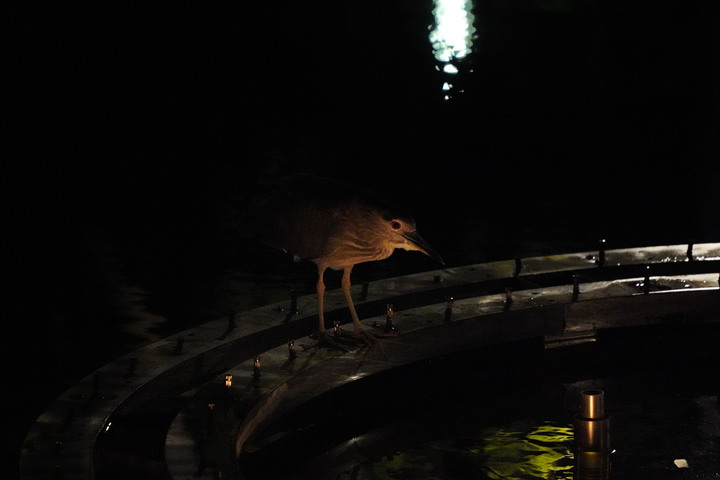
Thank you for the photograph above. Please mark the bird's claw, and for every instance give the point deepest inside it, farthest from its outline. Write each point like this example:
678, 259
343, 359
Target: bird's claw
342, 339
325, 339
358, 336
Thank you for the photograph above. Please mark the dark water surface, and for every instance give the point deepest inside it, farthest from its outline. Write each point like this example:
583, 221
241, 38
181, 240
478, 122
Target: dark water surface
135, 133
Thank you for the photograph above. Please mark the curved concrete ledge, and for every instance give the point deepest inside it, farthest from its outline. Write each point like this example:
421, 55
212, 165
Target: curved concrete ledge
487, 322
85, 433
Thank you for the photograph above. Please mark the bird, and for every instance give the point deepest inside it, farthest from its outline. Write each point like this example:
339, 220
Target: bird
333, 224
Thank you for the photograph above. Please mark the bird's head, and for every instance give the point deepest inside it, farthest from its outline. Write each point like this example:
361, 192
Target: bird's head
400, 232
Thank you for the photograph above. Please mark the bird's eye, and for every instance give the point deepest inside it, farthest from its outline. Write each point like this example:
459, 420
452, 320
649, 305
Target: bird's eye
395, 225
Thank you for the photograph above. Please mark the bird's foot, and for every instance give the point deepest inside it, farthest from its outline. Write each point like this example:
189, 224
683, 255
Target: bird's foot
359, 336
343, 340
326, 339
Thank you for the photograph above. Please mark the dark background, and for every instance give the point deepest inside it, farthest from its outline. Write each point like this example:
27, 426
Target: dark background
134, 132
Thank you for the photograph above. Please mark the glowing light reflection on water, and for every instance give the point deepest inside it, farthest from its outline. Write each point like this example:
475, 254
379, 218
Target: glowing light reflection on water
520, 450
452, 34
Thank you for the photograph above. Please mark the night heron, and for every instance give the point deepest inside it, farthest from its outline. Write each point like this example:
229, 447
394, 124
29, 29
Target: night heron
332, 224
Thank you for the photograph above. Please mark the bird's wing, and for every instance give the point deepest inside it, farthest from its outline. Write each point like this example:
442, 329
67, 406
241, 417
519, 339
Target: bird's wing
294, 217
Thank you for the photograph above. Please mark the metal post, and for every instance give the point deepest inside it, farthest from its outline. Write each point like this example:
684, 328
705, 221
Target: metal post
508, 298
576, 288
256, 368
389, 327
601, 254
364, 291
592, 438
292, 353
293, 301
449, 309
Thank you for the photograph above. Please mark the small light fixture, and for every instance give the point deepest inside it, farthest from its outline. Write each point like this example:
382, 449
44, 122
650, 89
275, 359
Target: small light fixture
291, 349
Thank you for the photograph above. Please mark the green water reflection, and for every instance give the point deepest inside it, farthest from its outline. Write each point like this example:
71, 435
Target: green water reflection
520, 450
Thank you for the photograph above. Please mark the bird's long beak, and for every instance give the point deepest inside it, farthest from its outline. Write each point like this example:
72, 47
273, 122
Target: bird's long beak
416, 242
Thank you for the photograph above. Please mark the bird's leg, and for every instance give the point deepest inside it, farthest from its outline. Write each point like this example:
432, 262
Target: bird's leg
359, 331
323, 337
339, 339
348, 298
320, 287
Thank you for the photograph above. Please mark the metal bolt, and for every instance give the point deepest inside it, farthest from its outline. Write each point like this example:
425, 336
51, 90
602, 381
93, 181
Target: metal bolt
448, 309
576, 288
601, 253
389, 327
364, 291
293, 301
291, 349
